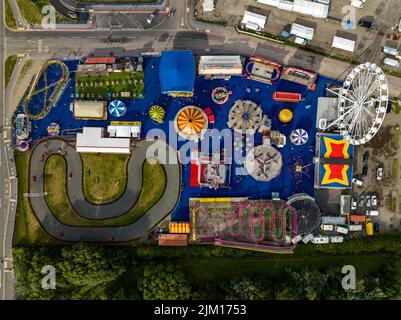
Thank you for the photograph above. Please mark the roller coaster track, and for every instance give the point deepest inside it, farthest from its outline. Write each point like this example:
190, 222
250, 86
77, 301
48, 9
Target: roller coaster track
48, 102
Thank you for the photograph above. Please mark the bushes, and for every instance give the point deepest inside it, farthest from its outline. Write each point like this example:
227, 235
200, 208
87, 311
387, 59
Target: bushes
385, 243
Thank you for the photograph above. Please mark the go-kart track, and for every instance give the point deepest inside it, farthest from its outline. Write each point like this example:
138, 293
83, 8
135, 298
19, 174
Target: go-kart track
129, 232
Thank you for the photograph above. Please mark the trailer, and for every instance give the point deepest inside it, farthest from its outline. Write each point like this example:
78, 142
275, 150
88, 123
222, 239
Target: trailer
320, 240
336, 239
355, 227
307, 238
341, 230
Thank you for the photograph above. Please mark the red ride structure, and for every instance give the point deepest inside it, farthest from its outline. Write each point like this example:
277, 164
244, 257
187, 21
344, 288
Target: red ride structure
287, 96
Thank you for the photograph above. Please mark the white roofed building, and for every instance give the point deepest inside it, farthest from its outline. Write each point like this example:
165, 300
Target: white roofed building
253, 20
120, 130
343, 44
224, 66
317, 9
302, 31
92, 139
89, 109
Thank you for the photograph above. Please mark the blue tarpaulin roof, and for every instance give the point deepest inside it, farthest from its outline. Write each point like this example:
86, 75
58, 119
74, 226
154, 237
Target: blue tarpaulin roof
177, 71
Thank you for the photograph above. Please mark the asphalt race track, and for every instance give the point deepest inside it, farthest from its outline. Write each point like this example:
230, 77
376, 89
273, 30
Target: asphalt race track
137, 229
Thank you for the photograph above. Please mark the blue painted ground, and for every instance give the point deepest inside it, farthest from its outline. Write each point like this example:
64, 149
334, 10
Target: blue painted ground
304, 117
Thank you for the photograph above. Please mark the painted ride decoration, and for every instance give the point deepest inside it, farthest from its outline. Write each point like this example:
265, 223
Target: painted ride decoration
117, 108
157, 113
220, 95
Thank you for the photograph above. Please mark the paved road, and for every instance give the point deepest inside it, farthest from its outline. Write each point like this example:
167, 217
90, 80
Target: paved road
7, 186
133, 231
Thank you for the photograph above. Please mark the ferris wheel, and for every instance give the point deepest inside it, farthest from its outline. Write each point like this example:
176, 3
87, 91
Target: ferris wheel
362, 103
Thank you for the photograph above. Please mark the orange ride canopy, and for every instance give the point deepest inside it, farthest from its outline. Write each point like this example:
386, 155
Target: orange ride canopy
190, 121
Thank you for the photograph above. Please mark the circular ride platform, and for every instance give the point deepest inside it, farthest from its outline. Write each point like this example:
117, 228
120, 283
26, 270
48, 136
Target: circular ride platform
189, 123
263, 163
244, 116
308, 213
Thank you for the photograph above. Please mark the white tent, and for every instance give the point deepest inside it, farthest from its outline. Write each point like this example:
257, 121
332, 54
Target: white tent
208, 5
343, 43
309, 7
302, 31
220, 65
92, 140
251, 19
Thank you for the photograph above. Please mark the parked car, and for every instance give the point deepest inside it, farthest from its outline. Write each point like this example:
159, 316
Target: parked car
366, 158
372, 213
357, 181
368, 200
152, 16
379, 173
391, 62
361, 200
374, 200
353, 204
33, 178
365, 23
365, 170
358, 3
300, 41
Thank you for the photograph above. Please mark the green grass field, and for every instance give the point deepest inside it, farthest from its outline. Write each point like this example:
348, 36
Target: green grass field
9, 17
110, 86
32, 11
9, 68
154, 181
104, 177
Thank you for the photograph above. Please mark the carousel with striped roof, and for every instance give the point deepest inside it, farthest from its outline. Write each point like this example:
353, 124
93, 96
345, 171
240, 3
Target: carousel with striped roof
189, 123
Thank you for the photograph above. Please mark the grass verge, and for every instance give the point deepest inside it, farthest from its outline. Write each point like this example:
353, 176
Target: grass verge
32, 11
9, 68
9, 16
27, 230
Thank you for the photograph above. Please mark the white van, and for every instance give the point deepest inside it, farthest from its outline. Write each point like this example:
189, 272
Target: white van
391, 51
301, 41
358, 3
372, 213
391, 62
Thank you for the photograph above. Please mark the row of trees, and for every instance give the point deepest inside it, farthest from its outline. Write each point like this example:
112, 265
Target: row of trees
94, 272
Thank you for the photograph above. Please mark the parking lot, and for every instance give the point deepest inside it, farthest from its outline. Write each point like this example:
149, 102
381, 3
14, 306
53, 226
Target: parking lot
383, 152
137, 21
385, 15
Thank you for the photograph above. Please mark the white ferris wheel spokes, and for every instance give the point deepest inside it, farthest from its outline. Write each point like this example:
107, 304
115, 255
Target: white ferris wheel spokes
362, 103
